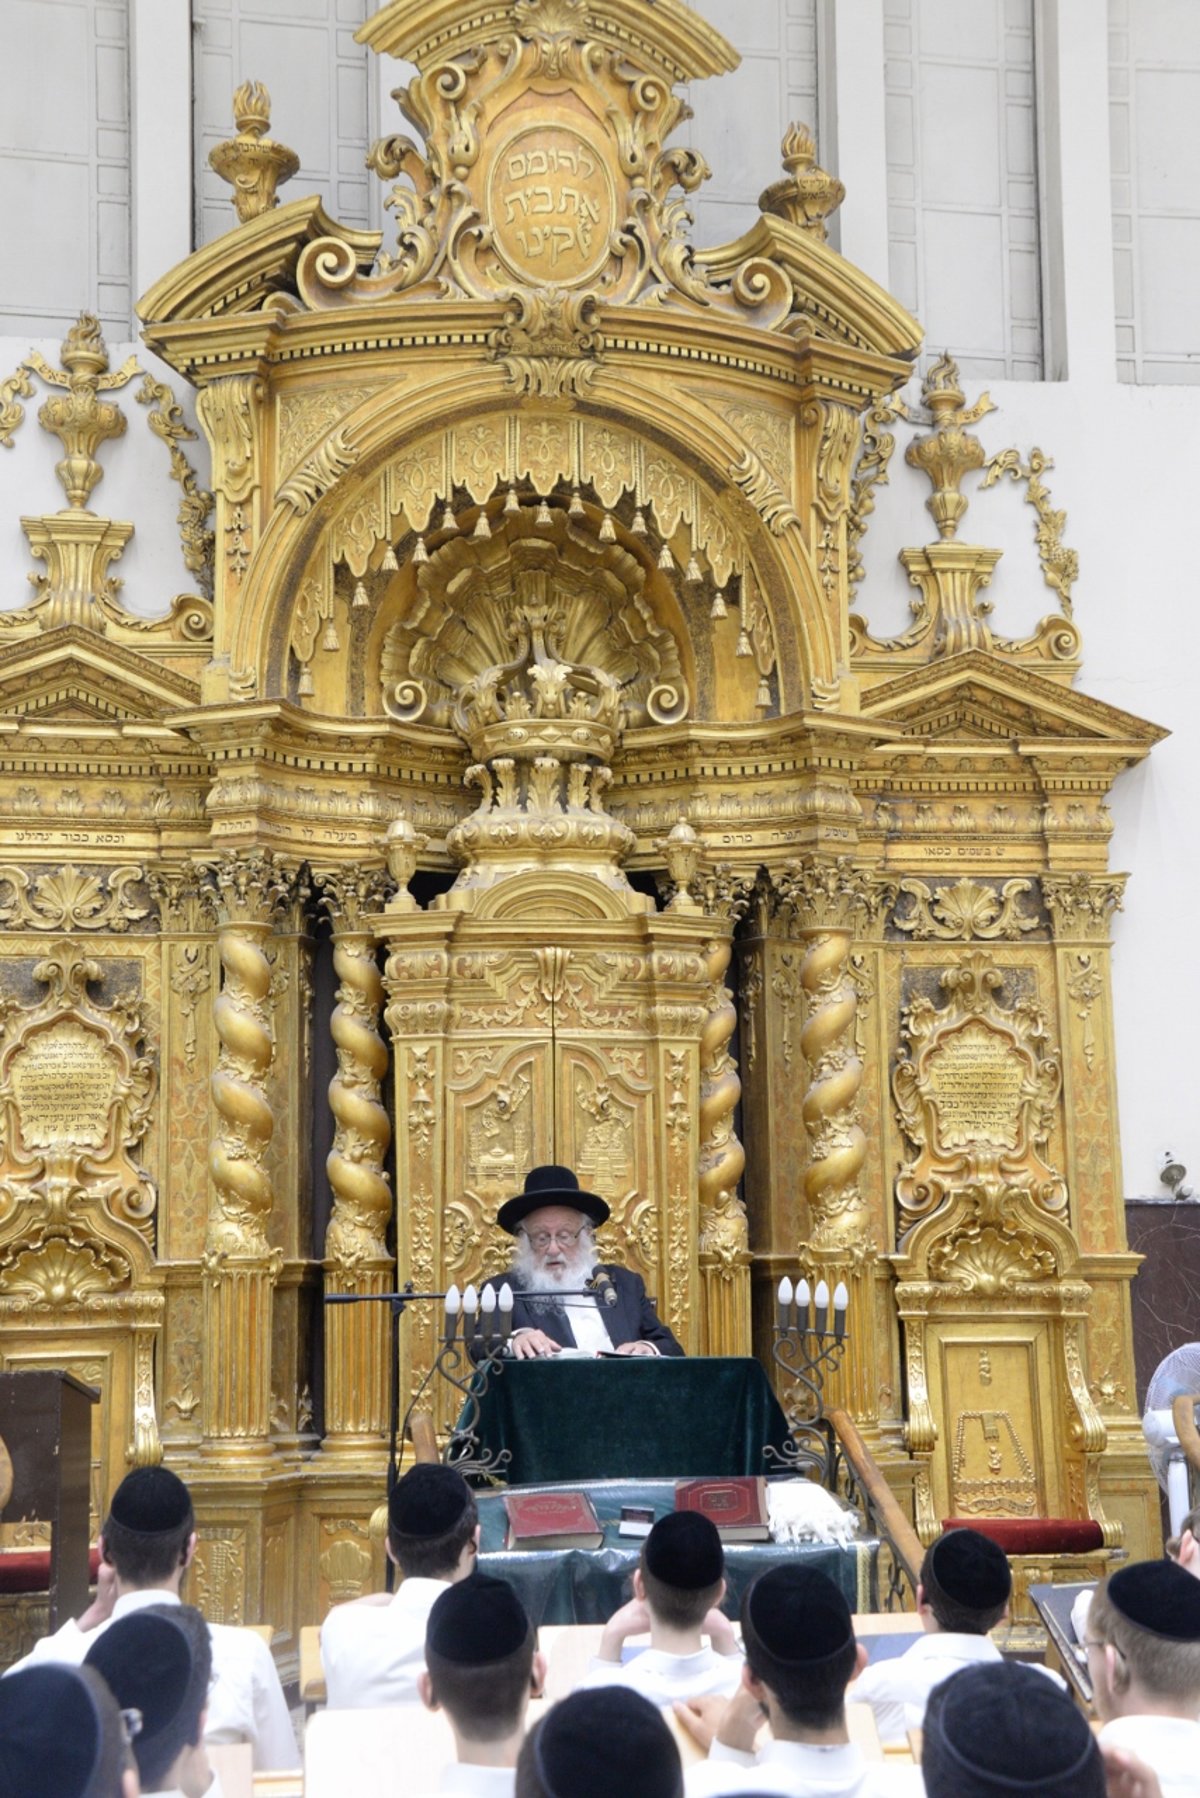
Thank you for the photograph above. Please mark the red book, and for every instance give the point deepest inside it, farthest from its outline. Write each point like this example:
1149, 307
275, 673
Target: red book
737, 1506
551, 1520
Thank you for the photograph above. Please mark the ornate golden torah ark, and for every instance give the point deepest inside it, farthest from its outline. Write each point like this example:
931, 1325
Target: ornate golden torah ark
529, 586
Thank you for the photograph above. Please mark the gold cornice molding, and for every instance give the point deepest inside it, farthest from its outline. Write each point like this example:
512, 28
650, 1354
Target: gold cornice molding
675, 40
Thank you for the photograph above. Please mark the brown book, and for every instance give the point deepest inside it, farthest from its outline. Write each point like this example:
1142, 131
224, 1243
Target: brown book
737, 1506
551, 1520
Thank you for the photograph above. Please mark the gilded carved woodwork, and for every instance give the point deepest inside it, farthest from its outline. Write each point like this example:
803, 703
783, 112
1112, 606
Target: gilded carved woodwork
534, 537
950, 615
253, 163
357, 1259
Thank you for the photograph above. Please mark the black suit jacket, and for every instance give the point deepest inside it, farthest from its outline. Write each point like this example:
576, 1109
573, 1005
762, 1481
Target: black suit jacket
632, 1319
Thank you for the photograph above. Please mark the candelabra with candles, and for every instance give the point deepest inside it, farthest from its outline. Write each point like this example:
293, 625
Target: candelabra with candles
810, 1341
475, 1341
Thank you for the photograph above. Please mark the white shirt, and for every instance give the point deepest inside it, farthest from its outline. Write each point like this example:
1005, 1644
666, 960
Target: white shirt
457, 1781
669, 1678
1171, 1745
897, 1689
373, 1653
797, 1769
246, 1703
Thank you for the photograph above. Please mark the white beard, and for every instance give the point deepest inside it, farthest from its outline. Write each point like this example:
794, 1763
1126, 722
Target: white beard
575, 1271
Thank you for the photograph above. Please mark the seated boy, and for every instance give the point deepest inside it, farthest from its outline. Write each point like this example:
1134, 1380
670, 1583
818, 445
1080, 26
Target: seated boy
677, 1590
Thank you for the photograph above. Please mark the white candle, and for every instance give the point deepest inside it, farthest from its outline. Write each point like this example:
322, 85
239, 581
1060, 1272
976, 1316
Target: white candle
453, 1307
821, 1300
470, 1302
785, 1303
841, 1302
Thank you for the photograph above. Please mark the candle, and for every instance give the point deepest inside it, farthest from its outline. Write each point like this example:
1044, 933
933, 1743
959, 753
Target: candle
453, 1307
785, 1304
803, 1306
470, 1302
841, 1301
821, 1300
506, 1310
487, 1305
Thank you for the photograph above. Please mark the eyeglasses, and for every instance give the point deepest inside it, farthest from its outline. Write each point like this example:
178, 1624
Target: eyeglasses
541, 1239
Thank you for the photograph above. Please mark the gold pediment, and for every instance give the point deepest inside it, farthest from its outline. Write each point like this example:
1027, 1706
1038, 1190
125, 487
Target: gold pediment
245, 269
73, 675
981, 697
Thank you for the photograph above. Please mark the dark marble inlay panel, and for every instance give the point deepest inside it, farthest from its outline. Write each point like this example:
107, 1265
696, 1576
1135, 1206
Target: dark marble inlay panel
1166, 1288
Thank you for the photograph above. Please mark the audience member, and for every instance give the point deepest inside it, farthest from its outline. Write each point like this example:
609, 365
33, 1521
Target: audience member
1143, 1650
481, 1668
800, 1657
158, 1662
963, 1592
677, 1589
146, 1547
606, 1744
62, 1736
1184, 1547
373, 1649
999, 1729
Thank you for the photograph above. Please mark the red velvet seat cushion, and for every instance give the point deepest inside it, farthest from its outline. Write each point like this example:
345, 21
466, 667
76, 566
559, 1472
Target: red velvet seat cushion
1034, 1535
28, 1569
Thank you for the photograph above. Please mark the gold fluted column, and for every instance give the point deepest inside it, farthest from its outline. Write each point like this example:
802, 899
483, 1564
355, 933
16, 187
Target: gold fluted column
356, 1252
824, 903
239, 1265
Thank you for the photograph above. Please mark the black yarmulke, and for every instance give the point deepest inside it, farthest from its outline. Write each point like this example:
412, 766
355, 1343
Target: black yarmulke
593, 1744
151, 1500
684, 1550
799, 1615
146, 1663
971, 1569
998, 1727
50, 1733
428, 1501
1159, 1597
477, 1621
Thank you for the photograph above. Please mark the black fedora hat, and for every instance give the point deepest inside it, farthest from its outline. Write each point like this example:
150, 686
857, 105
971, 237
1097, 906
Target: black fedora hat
550, 1186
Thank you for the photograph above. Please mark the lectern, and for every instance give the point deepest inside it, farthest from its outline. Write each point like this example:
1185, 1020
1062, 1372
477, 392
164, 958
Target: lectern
46, 1425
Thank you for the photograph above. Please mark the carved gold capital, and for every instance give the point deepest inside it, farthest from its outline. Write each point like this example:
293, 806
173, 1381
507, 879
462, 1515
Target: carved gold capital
1082, 905
812, 895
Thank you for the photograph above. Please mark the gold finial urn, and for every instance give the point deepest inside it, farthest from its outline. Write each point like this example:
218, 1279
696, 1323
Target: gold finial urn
253, 163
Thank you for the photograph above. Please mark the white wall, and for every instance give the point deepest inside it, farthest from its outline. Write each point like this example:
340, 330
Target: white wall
1125, 457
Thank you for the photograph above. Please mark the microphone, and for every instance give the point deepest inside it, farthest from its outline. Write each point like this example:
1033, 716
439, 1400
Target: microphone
603, 1287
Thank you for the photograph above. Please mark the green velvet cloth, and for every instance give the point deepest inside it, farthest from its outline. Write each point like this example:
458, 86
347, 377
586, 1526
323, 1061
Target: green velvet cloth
631, 1418
587, 1585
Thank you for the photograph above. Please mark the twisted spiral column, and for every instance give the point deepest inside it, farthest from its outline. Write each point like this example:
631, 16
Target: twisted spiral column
356, 1253
724, 1237
239, 1266
835, 1075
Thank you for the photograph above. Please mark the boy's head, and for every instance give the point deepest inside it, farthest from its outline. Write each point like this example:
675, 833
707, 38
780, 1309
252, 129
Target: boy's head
593, 1744
1143, 1640
147, 1535
158, 1662
62, 1736
480, 1658
966, 1582
799, 1643
682, 1569
431, 1520
1190, 1527
997, 1729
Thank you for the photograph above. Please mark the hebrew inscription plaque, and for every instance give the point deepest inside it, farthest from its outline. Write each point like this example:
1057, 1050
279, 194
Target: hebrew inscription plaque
63, 1082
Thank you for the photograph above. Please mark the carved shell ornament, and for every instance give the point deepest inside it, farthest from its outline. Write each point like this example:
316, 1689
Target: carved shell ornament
537, 638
